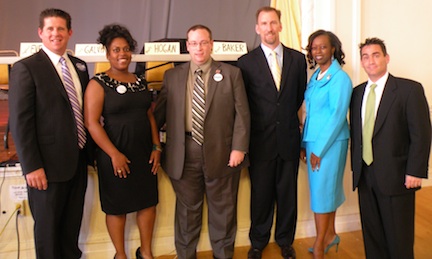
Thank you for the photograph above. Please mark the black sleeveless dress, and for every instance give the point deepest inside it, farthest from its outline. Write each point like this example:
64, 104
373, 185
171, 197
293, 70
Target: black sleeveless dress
128, 127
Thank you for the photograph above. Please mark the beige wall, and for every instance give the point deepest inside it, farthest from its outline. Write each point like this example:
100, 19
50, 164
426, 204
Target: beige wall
404, 25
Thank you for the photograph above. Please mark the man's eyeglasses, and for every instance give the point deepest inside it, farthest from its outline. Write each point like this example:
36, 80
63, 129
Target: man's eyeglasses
195, 44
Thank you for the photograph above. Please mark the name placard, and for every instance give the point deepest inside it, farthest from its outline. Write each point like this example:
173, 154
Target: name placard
89, 50
229, 47
161, 48
29, 48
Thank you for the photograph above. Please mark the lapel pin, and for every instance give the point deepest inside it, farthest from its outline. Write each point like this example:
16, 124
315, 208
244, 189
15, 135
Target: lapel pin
81, 66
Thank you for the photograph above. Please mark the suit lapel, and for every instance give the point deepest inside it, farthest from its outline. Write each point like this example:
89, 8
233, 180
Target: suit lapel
386, 102
81, 70
357, 106
287, 61
182, 78
264, 68
212, 85
53, 80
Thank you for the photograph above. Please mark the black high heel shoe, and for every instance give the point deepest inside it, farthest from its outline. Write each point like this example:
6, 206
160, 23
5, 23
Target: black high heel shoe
138, 253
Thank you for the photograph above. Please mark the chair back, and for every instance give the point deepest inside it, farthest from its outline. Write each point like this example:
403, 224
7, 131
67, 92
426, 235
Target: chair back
154, 73
101, 67
5, 68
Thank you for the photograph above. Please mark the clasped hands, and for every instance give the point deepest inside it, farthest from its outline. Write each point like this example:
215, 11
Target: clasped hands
121, 168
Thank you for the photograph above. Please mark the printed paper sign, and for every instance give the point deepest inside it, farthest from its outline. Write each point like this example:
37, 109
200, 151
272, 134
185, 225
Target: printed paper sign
18, 192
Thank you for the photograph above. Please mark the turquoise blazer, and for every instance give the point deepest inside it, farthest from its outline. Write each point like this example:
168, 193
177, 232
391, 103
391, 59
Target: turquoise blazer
327, 102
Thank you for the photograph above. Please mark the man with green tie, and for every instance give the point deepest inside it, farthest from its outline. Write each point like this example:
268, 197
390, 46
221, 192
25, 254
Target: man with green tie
390, 146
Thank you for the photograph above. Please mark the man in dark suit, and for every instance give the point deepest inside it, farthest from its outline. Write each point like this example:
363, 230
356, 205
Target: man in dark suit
207, 137
50, 137
390, 145
274, 100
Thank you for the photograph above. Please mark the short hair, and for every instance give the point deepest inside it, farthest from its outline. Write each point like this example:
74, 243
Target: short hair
199, 27
373, 41
268, 9
112, 31
339, 55
51, 12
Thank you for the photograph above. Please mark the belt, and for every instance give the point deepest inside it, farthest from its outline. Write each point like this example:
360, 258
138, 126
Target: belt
188, 133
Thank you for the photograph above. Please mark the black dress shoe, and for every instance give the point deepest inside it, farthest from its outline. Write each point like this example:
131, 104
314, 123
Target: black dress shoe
254, 253
138, 253
288, 252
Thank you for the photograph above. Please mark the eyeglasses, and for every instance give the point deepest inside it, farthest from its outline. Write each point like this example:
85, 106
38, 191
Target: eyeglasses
195, 44
117, 50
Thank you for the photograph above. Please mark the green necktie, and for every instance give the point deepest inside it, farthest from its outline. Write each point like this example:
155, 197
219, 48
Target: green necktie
368, 126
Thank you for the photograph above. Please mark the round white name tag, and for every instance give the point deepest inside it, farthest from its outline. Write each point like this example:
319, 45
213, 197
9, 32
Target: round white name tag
218, 77
121, 89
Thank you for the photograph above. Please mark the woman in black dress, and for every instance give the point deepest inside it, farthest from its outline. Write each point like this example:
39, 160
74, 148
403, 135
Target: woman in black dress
118, 115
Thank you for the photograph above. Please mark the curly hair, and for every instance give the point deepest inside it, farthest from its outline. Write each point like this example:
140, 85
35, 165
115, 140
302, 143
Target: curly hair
339, 55
112, 31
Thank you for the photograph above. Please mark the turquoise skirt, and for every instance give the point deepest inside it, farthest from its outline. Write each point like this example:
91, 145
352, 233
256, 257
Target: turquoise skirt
326, 184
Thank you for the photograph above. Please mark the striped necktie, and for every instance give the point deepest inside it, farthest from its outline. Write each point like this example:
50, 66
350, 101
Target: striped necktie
198, 108
368, 126
73, 99
276, 71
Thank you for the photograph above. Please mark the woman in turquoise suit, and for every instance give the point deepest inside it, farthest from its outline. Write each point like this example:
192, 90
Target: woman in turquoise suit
326, 134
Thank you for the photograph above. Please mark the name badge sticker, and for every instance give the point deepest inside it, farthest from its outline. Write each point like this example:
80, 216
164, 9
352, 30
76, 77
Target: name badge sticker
218, 76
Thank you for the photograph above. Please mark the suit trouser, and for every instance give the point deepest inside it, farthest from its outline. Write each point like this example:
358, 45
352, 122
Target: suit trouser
57, 214
221, 196
387, 221
273, 182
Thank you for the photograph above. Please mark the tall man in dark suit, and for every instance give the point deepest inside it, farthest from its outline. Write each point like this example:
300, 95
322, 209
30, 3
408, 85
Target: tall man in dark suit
204, 105
389, 160
50, 137
275, 92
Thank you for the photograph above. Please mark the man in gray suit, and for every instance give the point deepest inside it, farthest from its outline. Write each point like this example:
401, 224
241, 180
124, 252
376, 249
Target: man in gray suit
205, 147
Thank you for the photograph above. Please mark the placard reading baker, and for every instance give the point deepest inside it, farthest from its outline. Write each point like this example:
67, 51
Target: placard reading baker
89, 50
220, 47
161, 48
29, 48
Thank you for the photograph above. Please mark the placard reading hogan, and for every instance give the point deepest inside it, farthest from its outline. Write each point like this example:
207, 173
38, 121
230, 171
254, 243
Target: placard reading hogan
161, 48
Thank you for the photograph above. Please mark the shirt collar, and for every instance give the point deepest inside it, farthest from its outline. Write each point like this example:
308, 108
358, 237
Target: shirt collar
204, 67
267, 50
380, 82
55, 58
